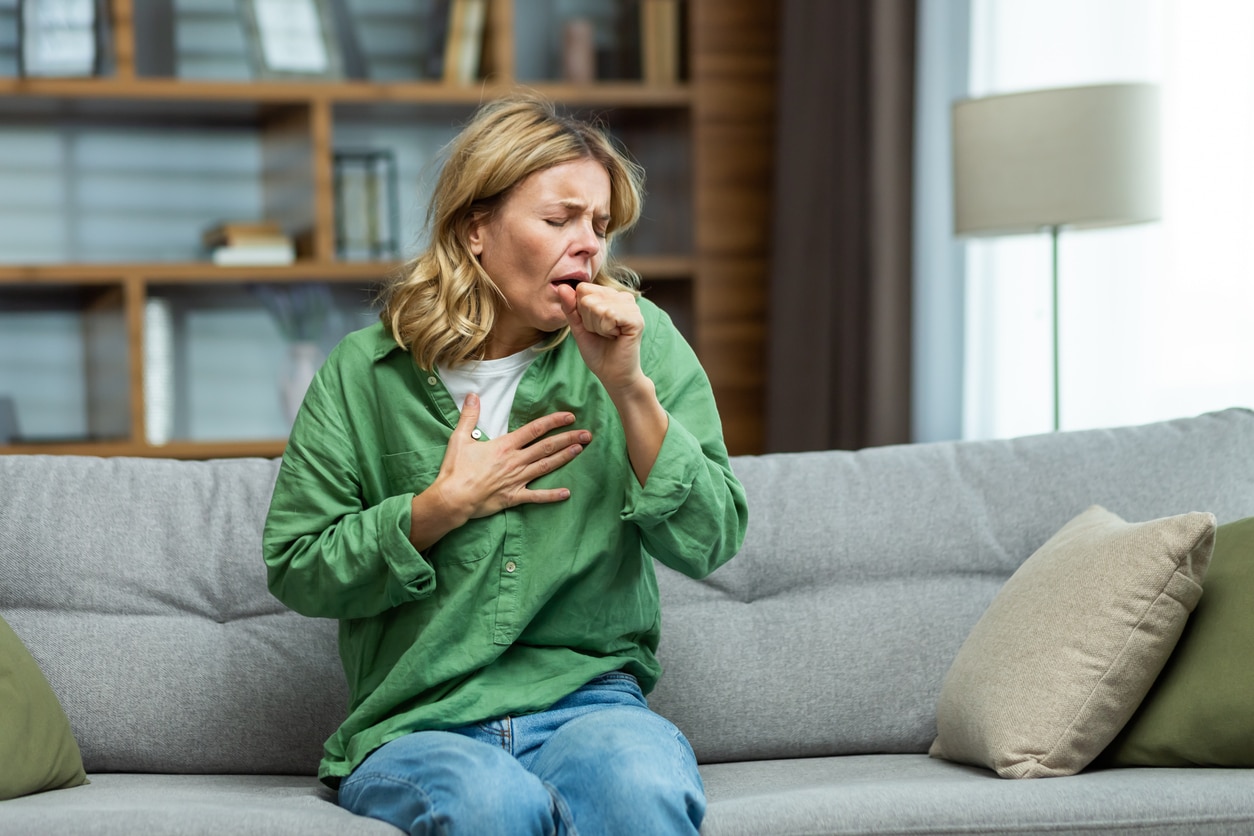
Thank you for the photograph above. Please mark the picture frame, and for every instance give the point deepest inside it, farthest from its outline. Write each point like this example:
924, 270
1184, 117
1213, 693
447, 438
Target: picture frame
366, 205
293, 39
58, 38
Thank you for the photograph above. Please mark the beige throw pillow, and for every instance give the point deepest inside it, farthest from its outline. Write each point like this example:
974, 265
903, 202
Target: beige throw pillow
1071, 644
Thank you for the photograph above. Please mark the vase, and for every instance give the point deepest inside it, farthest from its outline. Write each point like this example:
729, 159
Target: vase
303, 360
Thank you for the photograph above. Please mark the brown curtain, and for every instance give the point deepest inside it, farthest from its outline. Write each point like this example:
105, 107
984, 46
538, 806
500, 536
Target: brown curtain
839, 350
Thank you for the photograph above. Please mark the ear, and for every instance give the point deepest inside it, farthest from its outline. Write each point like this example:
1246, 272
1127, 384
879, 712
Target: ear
475, 234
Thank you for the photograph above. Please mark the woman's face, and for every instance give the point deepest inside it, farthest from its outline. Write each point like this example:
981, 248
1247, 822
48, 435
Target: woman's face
549, 230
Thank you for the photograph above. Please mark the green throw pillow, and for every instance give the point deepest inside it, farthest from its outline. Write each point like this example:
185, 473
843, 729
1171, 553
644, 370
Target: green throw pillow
37, 748
1200, 711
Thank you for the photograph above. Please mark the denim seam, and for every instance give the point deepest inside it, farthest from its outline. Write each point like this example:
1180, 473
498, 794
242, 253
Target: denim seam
696, 807
562, 811
612, 676
497, 730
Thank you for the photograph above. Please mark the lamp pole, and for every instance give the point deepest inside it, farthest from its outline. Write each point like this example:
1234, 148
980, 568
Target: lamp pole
1053, 238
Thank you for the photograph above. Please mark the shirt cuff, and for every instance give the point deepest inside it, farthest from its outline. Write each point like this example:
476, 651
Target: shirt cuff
670, 481
412, 576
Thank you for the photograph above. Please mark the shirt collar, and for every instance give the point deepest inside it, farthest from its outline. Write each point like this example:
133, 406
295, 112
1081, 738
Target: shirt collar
384, 344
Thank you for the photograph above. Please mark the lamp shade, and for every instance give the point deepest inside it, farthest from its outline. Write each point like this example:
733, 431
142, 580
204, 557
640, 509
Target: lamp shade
1076, 157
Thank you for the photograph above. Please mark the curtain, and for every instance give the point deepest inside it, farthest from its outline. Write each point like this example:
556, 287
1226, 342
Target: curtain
839, 350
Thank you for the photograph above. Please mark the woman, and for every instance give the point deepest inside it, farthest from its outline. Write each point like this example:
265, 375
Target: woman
476, 488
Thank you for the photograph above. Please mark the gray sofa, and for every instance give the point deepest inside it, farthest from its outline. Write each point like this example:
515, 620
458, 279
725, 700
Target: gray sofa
805, 672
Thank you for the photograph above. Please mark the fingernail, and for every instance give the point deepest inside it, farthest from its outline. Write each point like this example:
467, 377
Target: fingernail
564, 494
585, 437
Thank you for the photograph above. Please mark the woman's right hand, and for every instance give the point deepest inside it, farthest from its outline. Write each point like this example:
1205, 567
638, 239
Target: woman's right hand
480, 478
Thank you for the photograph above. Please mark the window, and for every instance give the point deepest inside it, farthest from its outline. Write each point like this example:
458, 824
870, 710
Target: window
1154, 319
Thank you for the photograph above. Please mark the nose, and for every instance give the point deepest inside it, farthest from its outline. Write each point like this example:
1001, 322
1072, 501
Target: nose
587, 242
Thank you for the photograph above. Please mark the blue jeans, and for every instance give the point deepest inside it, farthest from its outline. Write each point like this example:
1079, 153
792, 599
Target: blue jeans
598, 761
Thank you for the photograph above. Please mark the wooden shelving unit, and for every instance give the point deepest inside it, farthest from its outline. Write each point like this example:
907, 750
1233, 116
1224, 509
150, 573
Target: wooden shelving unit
714, 286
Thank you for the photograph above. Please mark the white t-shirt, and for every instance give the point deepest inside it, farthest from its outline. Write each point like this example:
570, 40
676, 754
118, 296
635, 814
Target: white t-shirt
494, 381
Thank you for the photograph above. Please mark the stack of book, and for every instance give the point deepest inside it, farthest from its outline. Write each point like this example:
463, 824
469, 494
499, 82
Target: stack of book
249, 243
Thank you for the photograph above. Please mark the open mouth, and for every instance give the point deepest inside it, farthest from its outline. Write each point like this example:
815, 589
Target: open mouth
571, 283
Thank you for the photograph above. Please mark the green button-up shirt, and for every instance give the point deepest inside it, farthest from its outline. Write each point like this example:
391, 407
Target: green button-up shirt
509, 613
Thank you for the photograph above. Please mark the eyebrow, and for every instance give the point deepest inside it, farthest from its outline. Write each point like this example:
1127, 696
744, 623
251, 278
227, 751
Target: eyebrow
580, 206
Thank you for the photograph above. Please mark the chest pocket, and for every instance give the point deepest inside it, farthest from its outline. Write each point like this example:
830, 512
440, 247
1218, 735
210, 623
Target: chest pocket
413, 472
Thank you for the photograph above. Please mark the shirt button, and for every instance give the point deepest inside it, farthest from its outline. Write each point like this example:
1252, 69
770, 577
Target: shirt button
431, 381
511, 566
476, 433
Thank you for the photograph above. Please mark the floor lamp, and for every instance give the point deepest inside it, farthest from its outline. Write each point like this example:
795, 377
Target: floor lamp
1076, 157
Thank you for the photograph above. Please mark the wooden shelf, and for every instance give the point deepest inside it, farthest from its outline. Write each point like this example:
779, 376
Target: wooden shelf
617, 94
656, 268
193, 272
174, 450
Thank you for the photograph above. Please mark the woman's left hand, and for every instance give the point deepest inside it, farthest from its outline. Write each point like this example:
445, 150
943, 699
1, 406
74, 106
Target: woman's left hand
607, 326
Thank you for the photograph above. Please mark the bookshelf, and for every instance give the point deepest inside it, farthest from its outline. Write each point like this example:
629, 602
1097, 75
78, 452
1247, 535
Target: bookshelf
143, 162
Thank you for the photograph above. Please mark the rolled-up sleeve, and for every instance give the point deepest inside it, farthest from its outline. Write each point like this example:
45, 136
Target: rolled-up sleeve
691, 512
326, 554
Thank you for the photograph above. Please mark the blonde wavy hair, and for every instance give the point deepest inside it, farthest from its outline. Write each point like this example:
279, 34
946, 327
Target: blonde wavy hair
443, 305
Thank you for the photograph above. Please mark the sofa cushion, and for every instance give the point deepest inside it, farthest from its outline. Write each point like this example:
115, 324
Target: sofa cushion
801, 796
146, 804
1200, 711
1067, 650
37, 748
914, 794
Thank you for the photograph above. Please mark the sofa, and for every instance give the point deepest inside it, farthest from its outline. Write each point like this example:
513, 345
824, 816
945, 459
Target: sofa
807, 672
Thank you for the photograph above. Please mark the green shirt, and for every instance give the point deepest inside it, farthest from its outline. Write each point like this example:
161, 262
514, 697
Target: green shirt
509, 613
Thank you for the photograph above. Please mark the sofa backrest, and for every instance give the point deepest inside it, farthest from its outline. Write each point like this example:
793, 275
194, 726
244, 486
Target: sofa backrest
139, 588
863, 572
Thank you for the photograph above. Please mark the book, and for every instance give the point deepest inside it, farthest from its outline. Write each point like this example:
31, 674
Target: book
253, 255
659, 41
292, 38
251, 239
463, 47
235, 232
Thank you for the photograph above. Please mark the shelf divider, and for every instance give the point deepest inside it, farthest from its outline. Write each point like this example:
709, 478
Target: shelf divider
122, 31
